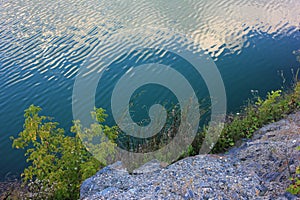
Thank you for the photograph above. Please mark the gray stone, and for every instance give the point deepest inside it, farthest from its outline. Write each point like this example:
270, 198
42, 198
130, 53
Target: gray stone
107, 191
290, 196
148, 167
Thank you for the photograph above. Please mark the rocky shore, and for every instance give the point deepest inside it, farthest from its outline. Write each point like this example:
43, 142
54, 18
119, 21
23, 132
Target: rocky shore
10, 189
258, 169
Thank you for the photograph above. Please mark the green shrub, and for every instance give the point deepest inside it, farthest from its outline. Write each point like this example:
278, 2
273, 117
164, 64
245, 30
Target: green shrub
254, 116
274, 107
58, 163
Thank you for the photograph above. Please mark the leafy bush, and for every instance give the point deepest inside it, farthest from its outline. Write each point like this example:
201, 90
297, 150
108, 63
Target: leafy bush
58, 163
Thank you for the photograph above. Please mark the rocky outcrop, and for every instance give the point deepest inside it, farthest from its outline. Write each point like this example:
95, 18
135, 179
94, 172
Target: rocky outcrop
259, 169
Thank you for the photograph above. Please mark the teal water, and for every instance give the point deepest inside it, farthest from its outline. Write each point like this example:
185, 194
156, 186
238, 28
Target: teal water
43, 44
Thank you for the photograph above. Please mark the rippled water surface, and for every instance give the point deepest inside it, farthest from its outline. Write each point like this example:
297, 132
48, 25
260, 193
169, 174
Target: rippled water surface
44, 43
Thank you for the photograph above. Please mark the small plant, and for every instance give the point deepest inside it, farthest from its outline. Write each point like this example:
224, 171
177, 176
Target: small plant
188, 152
294, 188
58, 163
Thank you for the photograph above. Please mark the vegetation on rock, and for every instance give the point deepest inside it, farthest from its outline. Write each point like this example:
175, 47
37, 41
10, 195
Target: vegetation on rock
294, 188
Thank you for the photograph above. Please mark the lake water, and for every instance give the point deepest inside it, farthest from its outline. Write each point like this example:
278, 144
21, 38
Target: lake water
43, 44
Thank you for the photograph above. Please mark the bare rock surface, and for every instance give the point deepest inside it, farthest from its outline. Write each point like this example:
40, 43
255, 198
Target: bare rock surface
258, 169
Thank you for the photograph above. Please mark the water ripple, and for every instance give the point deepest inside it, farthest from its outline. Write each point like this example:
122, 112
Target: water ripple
43, 43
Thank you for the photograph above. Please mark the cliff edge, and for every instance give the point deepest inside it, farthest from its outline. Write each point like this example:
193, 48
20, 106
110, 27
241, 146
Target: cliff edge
258, 169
